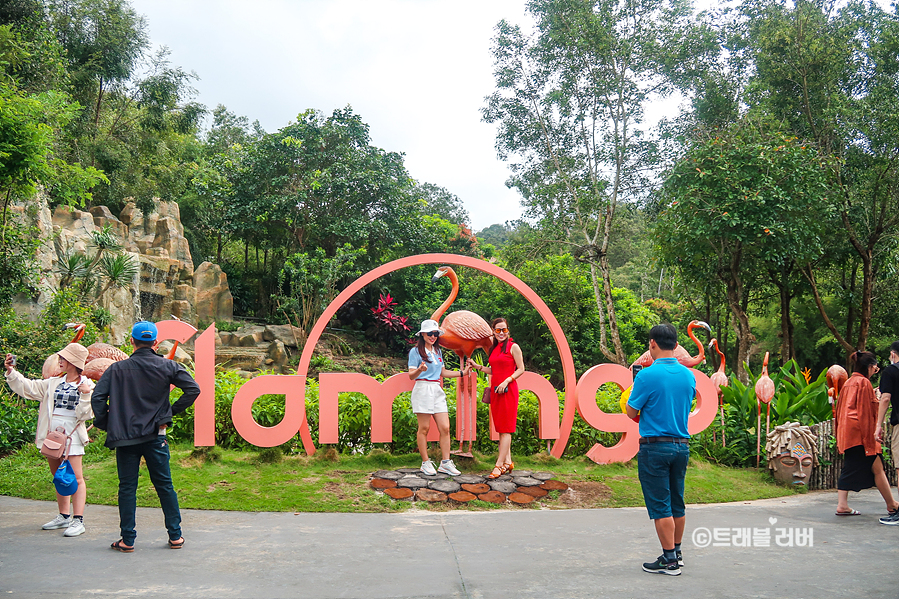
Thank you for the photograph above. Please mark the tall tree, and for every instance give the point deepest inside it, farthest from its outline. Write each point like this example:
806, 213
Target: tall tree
743, 201
831, 74
570, 104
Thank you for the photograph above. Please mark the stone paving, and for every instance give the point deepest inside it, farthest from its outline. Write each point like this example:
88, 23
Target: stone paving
521, 487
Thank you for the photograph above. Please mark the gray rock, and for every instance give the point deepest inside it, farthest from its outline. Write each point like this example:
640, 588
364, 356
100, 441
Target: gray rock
438, 476
469, 479
388, 474
503, 486
543, 475
409, 470
521, 473
411, 482
526, 481
446, 486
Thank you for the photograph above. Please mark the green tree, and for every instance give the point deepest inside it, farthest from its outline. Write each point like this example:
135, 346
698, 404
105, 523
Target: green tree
570, 103
829, 72
741, 201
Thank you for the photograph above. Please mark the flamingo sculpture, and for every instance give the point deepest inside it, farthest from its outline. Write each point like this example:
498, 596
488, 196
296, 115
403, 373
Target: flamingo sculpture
836, 378
719, 379
764, 391
682, 355
464, 332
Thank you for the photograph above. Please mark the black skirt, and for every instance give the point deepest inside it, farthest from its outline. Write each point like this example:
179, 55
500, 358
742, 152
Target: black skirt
858, 469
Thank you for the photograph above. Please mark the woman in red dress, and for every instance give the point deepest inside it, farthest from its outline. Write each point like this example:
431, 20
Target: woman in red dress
505, 366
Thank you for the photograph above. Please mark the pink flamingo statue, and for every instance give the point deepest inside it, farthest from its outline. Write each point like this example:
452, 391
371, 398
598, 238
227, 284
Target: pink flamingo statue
764, 391
682, 355
719, 379
464, 332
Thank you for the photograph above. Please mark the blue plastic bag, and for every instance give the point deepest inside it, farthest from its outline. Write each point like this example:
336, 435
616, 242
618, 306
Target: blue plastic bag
64, 479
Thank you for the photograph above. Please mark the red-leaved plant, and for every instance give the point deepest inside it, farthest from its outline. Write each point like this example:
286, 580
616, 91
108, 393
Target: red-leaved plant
388, 323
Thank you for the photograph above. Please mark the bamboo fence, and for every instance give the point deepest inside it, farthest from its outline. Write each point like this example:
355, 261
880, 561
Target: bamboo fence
830, 462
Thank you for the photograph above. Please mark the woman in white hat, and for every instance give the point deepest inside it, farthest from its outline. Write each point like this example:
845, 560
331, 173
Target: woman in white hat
65, 402
428, 399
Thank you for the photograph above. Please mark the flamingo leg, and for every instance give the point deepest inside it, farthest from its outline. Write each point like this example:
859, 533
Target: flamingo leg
758, 440
460, 416
723, 443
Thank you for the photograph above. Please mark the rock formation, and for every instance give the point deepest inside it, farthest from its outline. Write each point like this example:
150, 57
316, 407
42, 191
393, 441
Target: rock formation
166, 283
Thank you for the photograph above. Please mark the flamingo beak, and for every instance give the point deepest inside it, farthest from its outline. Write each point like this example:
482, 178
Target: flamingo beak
704, 325
711, 344
440, 272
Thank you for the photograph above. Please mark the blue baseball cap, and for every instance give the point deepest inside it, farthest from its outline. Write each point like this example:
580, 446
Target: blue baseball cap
144, 331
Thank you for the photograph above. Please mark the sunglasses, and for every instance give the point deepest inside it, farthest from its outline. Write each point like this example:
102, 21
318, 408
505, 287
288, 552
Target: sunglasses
432, 334
500, 330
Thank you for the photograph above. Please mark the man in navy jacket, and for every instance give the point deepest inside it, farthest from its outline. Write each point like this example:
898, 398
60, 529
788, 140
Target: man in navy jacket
131, 403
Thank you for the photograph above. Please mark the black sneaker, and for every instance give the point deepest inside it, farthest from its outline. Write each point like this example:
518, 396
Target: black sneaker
891, 520
680, 558
660, 566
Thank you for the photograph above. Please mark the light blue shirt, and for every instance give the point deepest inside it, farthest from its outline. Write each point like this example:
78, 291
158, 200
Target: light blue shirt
664, 394
435, 366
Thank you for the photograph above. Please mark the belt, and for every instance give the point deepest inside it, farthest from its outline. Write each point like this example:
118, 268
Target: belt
645, 440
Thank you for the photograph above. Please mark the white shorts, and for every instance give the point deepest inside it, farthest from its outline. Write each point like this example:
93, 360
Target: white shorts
428, 398
68, 422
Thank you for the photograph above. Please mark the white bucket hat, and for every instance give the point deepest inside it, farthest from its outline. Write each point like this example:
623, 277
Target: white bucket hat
429, 326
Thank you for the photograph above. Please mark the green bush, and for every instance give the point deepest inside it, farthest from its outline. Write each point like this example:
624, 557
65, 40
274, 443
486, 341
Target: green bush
18, 422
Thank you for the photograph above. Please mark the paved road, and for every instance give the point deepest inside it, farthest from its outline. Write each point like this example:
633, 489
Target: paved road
508, 554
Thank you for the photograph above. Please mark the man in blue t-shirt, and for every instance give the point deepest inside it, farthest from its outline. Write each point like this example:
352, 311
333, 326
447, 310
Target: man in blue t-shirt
663, 395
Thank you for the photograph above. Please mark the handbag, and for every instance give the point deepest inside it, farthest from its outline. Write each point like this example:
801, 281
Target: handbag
485, 396
55, 446
64, 480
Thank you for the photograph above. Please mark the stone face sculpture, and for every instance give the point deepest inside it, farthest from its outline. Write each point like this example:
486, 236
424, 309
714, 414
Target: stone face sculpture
792, 450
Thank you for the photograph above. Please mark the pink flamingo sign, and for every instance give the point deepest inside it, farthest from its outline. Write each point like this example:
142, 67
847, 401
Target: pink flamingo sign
579, 395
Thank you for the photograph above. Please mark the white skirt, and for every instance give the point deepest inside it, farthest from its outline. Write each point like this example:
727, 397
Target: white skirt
428, 398
68, 422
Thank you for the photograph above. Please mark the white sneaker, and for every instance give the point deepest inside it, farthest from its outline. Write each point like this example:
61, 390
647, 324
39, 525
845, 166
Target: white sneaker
75, 528
59, 521
428, 468
447, 467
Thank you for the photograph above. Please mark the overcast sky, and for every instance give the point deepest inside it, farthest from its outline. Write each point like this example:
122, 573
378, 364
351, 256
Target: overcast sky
416, 71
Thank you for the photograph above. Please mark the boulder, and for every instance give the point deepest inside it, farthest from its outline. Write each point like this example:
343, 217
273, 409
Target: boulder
289, 335
214, 300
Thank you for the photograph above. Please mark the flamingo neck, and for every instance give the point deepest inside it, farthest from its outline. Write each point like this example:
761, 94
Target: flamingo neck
720, 355
701, 347
452, 296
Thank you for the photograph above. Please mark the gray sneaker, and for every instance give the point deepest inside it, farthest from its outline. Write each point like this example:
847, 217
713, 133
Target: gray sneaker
447, 467
428, 468
891, 520
75, 528
59, 521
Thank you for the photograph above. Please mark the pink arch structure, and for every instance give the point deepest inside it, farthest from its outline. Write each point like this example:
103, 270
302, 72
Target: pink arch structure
297, 420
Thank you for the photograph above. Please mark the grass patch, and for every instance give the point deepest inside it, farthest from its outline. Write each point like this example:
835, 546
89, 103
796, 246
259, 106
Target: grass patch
224, 479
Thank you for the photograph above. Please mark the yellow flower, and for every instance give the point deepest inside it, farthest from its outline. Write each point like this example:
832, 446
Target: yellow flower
807, 374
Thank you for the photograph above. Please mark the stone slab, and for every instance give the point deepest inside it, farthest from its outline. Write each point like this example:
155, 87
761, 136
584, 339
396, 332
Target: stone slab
503, 486
411, 482
526, 481
445, 486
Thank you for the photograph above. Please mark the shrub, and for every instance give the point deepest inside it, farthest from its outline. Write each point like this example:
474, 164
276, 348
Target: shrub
18, 422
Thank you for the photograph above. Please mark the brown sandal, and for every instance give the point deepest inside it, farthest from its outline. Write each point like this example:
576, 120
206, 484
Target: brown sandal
507, 468
493, 476
121, 546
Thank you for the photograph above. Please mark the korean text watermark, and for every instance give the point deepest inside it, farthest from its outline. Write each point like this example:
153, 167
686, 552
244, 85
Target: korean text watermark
754, 537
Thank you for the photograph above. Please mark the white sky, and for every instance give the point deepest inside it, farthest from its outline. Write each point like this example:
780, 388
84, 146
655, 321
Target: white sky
416, 71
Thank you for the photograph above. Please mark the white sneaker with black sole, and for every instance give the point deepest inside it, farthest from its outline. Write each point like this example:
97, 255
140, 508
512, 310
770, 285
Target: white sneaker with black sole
59, 521
75, 528
660, 566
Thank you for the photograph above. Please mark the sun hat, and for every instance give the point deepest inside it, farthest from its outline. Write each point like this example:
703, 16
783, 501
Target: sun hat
429, 326
144, 331
75, 354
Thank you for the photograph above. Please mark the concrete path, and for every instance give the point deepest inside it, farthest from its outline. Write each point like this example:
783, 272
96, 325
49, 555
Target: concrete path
508, 554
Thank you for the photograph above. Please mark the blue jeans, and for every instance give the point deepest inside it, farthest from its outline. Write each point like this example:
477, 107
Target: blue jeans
662, 468
156, 454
